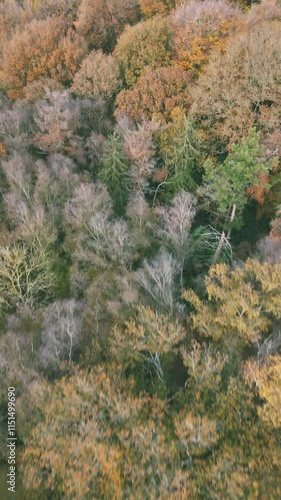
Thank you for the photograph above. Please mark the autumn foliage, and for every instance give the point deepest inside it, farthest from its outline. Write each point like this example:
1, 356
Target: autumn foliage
201, 28
101, 21
98, 76
140, 248
156, 94
150, 8
146, 44
240, 87
45, 49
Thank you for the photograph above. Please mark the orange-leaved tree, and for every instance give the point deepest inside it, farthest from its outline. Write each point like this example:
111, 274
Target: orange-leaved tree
150, 8
156, 94
45, 49
201, 27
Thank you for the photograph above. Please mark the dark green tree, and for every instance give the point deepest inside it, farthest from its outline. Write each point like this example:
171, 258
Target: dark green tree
183, 161
227, 186
115, 172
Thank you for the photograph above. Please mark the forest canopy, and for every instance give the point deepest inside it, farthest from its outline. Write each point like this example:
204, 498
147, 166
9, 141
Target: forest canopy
140, 247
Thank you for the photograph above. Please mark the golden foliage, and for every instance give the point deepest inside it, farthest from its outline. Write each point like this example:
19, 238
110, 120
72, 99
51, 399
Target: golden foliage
267, 379
3, 150
195, 433
150, 8
97, 440
152, 332
241, 303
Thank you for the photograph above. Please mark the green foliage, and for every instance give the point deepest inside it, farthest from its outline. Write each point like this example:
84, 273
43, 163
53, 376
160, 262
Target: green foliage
115, 172
225, 185
145, 44
183, 160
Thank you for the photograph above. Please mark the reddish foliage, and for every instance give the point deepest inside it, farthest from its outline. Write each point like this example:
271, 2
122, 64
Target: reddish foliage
257, 191
156, 93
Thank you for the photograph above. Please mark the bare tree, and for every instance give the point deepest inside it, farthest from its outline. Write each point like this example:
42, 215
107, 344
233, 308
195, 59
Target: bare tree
138, 209
37, 195
16, 126
55, 182
99, 239
271, 345
176, 222
25, 325
33, 225
18, 170
26, 274
270, 248
158, 279
142, 222
61, 332
140, 149
57, 117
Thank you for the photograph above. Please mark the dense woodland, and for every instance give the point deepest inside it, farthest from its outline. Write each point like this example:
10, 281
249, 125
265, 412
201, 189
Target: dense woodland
140, 249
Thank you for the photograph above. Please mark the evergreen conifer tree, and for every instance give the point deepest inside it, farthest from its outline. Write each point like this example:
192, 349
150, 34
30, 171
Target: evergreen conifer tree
184, 158
115, 172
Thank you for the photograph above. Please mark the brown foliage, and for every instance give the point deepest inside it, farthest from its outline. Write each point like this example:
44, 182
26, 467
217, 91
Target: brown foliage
102, 21
241, 87
12, 17
37, 90
156, 94
150, 8
57, 117
45, 49
140, 149
257, 191
267, 9
47, 8
98, 76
